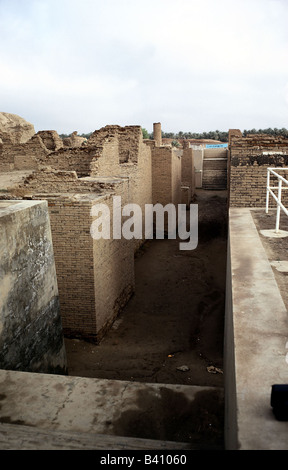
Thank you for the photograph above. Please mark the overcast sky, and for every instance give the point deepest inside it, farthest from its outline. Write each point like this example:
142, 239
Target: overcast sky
192, 65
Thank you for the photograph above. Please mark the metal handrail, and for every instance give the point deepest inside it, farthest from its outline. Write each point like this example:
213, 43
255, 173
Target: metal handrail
279, 194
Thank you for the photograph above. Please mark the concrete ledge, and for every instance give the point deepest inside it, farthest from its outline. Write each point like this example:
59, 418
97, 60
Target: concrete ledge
16, 437
256, 333
84, 408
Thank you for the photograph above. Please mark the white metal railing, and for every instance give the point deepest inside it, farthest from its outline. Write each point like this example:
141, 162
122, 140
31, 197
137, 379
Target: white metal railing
269, 190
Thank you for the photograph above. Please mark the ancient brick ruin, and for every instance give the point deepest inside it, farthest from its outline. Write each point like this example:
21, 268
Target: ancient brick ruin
249, 158
96, 277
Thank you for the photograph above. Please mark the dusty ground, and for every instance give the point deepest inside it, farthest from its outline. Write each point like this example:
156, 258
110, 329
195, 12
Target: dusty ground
276, 248
176, 316
175, 319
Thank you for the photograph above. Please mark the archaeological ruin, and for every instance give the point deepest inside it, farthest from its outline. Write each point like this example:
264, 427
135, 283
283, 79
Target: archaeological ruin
60, 284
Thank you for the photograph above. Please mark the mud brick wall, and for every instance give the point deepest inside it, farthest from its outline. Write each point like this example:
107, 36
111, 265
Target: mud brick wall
54, 181
106, 160
166, 176
166, 180
31, 337
51, 140
73, 251
95, 277
249, 159
161, 175
72, 159
139, 181
128, 139
126, 155
215, 169
187, 171
25, 156
114, 278
176, 176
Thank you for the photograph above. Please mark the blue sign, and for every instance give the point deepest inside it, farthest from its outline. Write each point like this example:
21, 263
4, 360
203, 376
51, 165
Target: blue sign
216, 146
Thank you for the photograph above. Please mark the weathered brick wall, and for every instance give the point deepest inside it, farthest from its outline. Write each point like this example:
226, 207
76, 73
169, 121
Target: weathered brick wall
106, 159
166, 179
125, 154
162, 175
51, 140
128, 138
114, 278
22, 156
95, 277
249, 159
187, 172
73, 251
72, 159
48, 181
176, 176
215, 169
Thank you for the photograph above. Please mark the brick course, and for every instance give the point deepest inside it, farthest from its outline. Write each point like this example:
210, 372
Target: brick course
249, 159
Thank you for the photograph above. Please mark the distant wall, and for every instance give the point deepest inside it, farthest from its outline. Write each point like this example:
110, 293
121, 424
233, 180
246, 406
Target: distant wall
31, 337
215, 169
249, 159
126, 155
166, 176
188, 171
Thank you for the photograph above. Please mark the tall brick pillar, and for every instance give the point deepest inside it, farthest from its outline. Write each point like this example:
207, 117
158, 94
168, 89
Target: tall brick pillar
157, 133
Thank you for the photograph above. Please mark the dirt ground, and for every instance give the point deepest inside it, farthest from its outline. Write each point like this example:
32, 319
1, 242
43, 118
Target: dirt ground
171, 331
276, 248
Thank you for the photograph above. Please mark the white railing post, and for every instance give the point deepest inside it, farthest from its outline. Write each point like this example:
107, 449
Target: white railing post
267, 190
278, 197
278, 205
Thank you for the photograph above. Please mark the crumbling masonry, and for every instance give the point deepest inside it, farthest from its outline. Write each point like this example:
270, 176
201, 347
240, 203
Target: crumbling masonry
95, 277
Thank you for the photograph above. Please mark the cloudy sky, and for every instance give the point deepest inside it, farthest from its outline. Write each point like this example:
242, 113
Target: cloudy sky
193, 65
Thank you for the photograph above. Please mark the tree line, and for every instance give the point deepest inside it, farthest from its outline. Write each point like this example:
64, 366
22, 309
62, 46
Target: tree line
222, 136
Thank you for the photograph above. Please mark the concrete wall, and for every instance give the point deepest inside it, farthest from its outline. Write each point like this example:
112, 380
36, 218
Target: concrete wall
31, 336
256, 328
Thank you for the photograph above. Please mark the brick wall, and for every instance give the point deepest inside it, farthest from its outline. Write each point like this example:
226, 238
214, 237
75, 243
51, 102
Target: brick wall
22, 156
125, 154
249, 159
187, 171
95, 277
166, 178
162, 175
74, 159
215, 169
51, 140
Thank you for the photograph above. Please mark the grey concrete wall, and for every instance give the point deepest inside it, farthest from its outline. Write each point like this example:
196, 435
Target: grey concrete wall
256, 333
30, 324
229, 363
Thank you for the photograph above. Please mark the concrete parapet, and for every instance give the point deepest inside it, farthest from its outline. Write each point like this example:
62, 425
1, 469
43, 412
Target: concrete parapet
82, 411
255, 341
31, 337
